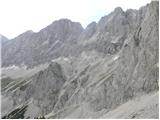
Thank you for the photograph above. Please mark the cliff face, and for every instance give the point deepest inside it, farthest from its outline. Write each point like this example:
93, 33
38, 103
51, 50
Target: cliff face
73, 72
32, 48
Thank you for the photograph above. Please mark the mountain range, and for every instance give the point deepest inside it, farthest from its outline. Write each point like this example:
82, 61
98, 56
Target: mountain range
66, 71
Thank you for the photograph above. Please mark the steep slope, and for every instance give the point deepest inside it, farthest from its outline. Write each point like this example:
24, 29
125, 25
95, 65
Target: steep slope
145, 106
115, 80
93, 71
32, 48
3, 39
38, 93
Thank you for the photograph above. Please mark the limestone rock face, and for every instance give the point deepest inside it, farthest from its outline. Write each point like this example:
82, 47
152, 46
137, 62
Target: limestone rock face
41, 90
3, 39
34, 48
85, 73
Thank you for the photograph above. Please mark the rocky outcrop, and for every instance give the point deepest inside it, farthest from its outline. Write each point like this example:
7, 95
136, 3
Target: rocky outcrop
3, 39
40, 91
35, 48
93, 70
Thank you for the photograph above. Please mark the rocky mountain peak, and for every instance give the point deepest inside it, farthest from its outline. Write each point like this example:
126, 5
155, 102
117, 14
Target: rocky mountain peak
63, 30
3, 38
89, 31
118, 10
91, 25
65, 24
71, 72
24, 35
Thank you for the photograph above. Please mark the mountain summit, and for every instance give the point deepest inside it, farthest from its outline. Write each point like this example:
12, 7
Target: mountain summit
107, 70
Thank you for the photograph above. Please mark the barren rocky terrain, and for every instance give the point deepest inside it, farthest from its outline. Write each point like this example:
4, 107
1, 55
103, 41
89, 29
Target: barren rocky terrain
107, 70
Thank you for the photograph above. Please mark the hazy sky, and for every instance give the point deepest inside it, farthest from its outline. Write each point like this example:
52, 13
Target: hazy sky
18, 16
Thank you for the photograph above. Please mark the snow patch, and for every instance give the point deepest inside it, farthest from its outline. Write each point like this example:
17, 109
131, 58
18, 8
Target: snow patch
13, 67
115, 39
66, 59
61, 59
116, 57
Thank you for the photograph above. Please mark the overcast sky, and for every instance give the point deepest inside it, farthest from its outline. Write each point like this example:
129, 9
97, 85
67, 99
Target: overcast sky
18, 16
